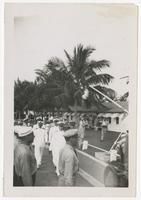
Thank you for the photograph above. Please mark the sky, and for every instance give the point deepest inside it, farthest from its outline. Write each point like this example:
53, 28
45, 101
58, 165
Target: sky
44, 31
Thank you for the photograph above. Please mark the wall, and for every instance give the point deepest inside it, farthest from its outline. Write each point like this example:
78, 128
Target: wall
91, 169
121, 127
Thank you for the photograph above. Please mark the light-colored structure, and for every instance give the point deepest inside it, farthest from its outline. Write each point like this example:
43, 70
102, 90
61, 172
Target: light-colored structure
117, 120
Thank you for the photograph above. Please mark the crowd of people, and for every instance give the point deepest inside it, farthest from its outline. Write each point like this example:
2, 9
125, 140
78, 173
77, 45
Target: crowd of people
64, 116
59, 136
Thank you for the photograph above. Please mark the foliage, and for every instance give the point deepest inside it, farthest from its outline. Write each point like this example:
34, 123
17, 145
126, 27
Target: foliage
75, 76
60, 84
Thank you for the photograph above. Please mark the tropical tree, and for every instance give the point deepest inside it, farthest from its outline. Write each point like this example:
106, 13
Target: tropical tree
74, 78
23, 95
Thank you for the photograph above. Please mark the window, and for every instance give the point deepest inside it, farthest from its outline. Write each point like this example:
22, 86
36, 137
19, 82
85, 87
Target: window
109, 119
117, 120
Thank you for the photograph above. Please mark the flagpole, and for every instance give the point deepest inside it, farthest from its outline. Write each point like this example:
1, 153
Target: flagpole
92, 87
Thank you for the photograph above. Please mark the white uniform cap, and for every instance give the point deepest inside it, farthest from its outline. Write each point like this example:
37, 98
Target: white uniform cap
70, 133
23, 130
60, 122
39, 121
55, 120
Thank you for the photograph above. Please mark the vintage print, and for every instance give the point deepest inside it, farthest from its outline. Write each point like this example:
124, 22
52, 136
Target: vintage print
72, 86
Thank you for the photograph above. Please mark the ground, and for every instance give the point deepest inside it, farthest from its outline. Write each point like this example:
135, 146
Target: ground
46, 175
93, 138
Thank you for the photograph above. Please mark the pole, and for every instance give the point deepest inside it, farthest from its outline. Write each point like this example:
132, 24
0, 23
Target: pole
98, 148
109, 99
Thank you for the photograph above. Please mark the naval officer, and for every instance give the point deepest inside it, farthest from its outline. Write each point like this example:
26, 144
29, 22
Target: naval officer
68, 161
25, 166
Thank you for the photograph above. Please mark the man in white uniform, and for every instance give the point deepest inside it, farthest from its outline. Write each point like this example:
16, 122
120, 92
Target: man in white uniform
81, 133
53, 128
39, 142
58, 142
103, 130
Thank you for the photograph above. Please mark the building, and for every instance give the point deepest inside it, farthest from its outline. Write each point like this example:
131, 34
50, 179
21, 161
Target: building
117, 119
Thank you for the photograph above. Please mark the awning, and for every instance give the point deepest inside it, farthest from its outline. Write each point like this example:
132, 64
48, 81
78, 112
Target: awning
112, 115
101, 115
107, 115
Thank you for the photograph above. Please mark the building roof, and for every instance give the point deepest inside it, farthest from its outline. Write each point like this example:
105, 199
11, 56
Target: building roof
106, 107
112, 108
83, 109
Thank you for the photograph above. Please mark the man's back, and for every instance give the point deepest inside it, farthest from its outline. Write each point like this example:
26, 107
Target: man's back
24, 163
68, 166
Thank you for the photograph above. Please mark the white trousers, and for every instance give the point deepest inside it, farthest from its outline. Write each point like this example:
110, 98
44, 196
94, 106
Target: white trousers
55, 156
39, 153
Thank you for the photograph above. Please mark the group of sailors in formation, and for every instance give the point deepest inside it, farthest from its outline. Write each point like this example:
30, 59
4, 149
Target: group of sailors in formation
60, 138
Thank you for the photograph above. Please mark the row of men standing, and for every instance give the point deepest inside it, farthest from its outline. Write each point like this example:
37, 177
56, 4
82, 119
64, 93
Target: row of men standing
61, 142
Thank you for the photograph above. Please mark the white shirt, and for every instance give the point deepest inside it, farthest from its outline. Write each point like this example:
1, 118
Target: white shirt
40, 135
52, 131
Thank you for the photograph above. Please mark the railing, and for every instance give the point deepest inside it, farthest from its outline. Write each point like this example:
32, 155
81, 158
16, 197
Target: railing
98, 148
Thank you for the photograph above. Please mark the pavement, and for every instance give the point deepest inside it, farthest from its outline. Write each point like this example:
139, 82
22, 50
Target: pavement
46, 175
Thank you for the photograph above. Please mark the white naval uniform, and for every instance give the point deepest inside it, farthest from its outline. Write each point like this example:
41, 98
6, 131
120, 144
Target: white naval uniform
52, 130
39, 142
81, 133
46, 129
58, 143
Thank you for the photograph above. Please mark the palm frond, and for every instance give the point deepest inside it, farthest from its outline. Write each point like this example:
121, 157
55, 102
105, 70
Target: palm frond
98, 65
42, 75
99, 79
79, 58
70, 63
56, 63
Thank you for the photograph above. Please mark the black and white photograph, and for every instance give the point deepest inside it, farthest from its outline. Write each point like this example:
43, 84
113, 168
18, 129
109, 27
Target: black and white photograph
70, 87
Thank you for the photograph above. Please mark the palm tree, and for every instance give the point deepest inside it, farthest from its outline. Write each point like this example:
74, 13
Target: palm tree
75, 77
86, 72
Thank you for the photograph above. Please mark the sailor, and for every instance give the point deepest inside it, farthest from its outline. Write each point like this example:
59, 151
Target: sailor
81, 132
68, 161
25, 166
57, 144
103, 130
39, 142
46, 127
53, 129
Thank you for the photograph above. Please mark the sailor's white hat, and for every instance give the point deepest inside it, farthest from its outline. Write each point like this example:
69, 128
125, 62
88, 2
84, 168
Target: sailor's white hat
23, 130
70, 132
